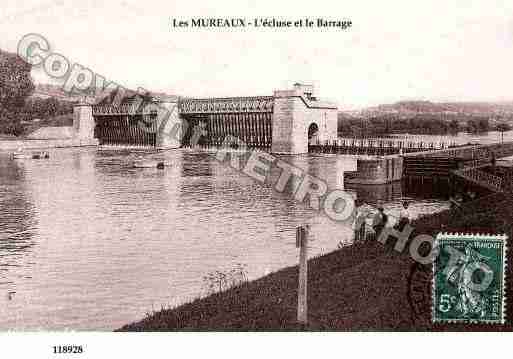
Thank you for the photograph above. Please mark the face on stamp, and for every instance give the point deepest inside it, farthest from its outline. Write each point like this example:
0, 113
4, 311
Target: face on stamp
469, 279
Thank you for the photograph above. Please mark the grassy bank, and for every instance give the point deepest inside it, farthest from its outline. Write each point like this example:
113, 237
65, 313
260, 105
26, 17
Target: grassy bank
366, 286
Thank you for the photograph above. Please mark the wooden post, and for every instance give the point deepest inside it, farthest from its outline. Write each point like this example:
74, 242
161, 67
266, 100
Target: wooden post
302, 297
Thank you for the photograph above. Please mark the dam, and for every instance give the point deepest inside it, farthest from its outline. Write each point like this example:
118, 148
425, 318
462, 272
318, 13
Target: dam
283, 123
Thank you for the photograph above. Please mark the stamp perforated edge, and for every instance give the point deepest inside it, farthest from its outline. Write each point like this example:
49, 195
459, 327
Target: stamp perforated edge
469, 236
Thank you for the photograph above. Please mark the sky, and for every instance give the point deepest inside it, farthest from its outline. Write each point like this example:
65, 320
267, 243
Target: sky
395, 50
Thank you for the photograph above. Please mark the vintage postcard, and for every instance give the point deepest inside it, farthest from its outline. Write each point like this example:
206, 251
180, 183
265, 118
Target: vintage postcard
254, 166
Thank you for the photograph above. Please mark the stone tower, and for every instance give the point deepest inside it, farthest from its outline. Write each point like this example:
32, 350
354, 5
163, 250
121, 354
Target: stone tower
298, 115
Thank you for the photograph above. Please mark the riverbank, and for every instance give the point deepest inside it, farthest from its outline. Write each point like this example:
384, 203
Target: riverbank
366, 286
12, 144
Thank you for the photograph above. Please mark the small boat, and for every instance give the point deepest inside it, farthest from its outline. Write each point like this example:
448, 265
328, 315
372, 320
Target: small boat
30, 155
20, 155
150, 164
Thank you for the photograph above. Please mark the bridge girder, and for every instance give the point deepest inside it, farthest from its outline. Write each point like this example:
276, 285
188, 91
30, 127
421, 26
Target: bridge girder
260, 104
123, 109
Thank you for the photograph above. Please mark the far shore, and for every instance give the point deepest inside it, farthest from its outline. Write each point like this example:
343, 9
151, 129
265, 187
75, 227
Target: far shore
13, 144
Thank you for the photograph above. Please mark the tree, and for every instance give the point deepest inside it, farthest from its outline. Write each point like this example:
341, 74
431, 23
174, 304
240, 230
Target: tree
10, 121
454, 125
472, 126
15, 87
502, 127
47, 108
483, 125
15, 80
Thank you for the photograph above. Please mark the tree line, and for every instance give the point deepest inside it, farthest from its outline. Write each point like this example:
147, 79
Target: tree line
17, 107
417, 124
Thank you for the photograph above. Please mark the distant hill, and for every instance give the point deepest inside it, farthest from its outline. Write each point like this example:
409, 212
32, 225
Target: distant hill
428, 107
45, 91
425, 117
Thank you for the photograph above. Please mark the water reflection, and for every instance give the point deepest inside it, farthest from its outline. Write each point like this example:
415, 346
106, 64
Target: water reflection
373, 194
17, 224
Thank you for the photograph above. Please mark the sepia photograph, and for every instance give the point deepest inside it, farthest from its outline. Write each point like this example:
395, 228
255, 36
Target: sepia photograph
300, 168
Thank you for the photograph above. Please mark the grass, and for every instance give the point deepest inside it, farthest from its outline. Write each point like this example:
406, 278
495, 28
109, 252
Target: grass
366, 286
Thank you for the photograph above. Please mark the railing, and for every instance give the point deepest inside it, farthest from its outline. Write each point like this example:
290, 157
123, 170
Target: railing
506, 173
472, 152
391, 143
482, 178
377, 146
130, 108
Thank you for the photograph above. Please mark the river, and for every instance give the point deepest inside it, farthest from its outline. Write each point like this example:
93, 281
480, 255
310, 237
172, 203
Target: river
88, 243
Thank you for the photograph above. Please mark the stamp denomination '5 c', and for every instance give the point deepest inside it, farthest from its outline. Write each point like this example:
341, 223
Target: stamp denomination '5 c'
469, 279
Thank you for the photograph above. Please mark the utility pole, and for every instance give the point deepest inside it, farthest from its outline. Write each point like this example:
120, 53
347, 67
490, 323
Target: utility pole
302, 297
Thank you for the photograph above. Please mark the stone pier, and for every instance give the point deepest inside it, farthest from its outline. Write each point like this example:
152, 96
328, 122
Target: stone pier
378, 170
169, 125
299, 117
83, 125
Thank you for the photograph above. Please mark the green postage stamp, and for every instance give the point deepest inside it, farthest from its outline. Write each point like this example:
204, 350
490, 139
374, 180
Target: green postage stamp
469, 279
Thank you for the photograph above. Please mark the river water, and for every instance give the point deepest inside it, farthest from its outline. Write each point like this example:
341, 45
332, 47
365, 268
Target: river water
88, 243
